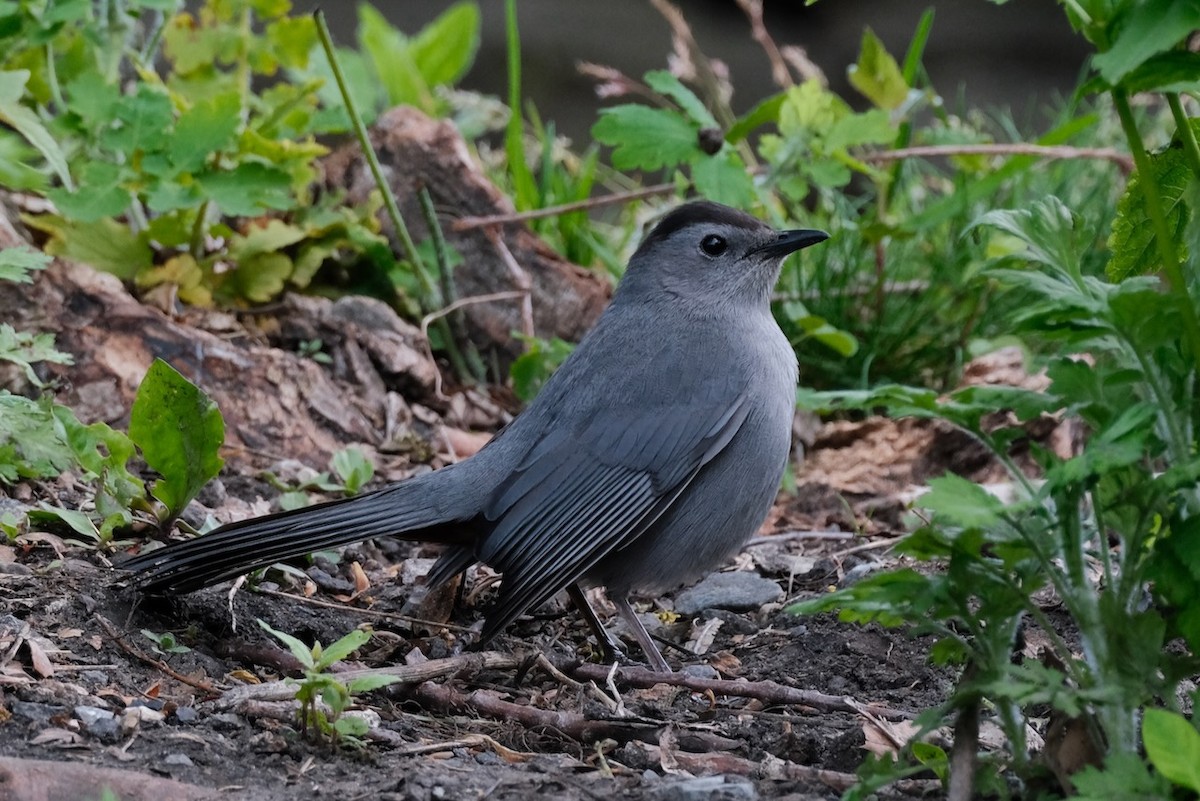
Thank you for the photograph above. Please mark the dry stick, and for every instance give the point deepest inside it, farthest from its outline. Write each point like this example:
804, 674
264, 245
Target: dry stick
404, 674
753, 9
570, 724
769, 692
360, 610
519, 277
162, 666
962, 754
1122, 160
453, 307
468, 223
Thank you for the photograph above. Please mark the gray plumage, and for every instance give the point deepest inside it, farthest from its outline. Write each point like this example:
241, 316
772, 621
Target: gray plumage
649, 457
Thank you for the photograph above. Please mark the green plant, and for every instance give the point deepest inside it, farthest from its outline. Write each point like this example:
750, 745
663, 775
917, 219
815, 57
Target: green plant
165, 643
320, 687
1104, 528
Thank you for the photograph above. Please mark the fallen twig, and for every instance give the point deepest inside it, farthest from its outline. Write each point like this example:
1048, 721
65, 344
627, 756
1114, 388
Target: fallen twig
467, 223
142, 656
1122, 160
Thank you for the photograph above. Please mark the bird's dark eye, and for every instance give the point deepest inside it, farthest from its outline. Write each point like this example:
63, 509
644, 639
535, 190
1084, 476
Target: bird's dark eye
714, 245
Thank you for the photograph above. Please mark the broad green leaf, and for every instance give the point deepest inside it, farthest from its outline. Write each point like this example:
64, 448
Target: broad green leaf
877, 76
142, 122
392, 57
364, 684
337, 651
248, 189
1149, 28
291, 40
274, 235
26, 348
1172, 71
962, 502
646, 138
179, 430
1173, 746
1125, 775
668, 85
104, 244
98, 195
190, 280
93, 98
208, 127
26, 123
445, 48
724, 178
258, 278
1132, 240
303, 654
810, 108
79, 522
353, 468
872, 127
764, 112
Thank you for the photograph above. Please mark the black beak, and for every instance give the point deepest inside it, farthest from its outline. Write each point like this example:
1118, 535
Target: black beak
791, 241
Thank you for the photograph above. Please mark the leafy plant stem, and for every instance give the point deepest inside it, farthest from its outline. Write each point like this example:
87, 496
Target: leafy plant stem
153, 37
452, 326
1175, 438
196, 245
52, 79
389, 199
912, 63
525, 191
1186, 134
1158, 219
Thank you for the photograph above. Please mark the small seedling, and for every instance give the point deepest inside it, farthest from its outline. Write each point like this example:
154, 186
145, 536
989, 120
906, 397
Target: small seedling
323, 698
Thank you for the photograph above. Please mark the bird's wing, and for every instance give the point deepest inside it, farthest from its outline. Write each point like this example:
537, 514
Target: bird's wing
585, 492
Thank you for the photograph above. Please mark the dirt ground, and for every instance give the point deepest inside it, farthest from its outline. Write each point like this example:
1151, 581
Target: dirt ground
666, 741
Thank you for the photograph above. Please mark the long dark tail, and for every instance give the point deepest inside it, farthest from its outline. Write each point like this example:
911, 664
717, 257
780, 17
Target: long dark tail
432, 507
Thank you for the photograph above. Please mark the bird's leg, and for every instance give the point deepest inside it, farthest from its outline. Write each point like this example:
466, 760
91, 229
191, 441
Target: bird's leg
612, 651
657, 663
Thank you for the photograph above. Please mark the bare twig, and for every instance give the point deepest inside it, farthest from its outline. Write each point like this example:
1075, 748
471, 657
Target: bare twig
450, 309
142, 656
361, 611
468, 223
769, 692
753, 9
1122, 160
519, 277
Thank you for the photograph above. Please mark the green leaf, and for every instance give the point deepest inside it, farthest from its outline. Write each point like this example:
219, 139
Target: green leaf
392, 58
877, 76
17, 263
1173, 746
98, 195
248, 189
31, 442
179, 430
291, 40
353, 468
668, 85
208, 127
104, 244
763, 113
531, 369
1149, 28
962, 502
872, 127
25, 348
1172, 71
724, 178
341, 649
26, 123
1132, 240
79, 522
1047, 227
258, 278
303, 654
142, 122
646, 138
1125, 775
445, 48
365, 684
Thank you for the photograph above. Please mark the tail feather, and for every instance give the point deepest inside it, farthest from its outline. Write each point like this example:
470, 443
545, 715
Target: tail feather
408, 509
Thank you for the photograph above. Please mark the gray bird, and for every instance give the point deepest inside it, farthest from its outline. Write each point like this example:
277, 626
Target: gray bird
648, 459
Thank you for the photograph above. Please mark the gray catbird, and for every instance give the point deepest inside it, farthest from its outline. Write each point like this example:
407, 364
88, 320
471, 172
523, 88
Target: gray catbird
648, 458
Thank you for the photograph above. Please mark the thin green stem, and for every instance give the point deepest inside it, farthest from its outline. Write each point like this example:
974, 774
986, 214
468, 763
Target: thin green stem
452, 326
428, 289
1158, 220
199, 227
1184, 130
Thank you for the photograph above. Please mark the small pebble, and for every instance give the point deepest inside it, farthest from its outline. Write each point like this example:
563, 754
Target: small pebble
701, 671
35, 712
15, 569
187, 714
89, 716
706, 788
181, 760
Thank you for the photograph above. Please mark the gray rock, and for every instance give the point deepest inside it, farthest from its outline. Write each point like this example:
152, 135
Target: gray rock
186, 714
181, 760
89, 716
701, 671
706, 788
35, 712
15, 569
739, 591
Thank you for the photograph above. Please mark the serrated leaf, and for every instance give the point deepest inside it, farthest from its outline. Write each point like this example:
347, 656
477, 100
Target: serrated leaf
17, 264
209, 126
291, 40
810, 108
1149, 28
1047, 227
445, 48
190, 280
963, 502
876, 75
1131, 242
141, 122
179, 430
98, 195
27, 124
724, 178
31, 445
303, 654
248, 189
647, 138
258, 278
872, 127
1173, 746
668, 85
764, 112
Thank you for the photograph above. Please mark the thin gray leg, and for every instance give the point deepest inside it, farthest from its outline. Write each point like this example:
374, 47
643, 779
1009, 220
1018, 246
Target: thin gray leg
657, 663
612, 651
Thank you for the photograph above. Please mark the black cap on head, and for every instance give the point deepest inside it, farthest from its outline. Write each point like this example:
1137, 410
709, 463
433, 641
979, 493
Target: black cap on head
699, 211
